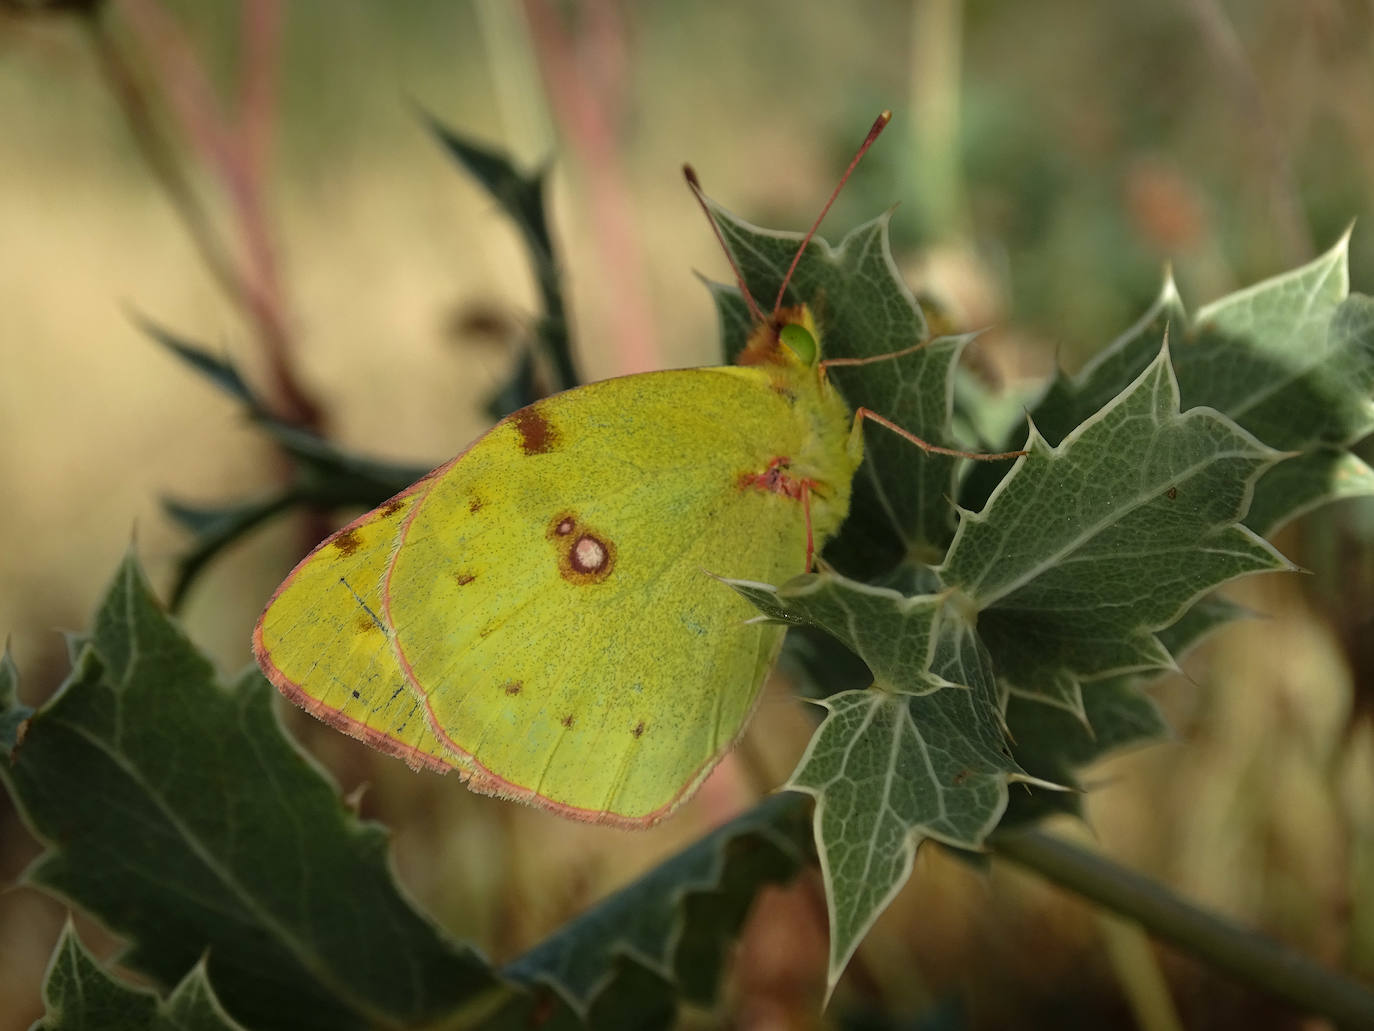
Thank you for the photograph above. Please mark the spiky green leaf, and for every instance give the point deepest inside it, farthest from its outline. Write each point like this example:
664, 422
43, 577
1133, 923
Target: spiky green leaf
1087, 549
674, 923
920, 754
81, 996
173, 808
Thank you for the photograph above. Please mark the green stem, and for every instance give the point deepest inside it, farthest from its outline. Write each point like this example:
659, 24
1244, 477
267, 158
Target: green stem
1257, 961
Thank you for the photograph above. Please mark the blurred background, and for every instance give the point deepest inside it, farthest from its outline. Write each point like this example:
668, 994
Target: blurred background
255, 176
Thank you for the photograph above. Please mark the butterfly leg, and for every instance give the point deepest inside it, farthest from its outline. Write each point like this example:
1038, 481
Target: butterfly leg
929, 448
806, 510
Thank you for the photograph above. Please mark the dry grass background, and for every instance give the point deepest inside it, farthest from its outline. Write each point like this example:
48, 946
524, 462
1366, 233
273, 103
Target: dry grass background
1098, 140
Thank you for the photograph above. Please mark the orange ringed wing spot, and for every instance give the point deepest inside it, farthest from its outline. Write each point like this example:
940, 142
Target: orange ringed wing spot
585, 556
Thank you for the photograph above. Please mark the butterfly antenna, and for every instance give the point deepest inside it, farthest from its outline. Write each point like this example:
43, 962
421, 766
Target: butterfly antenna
690, 173
878, 126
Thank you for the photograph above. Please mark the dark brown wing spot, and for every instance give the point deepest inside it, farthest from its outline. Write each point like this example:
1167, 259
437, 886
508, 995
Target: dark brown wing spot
639, 729
365, 624
464, 579
567, 721
357, 694
512, 688
391, 508
348, 542
475, 504
537, 435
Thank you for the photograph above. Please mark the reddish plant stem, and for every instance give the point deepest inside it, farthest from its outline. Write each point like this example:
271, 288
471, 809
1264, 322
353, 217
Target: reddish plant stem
236, 151
585, 92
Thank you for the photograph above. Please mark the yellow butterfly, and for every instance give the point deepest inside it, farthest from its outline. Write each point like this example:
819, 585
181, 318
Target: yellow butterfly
537, 614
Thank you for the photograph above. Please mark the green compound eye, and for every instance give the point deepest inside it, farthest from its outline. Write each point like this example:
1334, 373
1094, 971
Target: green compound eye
800, 342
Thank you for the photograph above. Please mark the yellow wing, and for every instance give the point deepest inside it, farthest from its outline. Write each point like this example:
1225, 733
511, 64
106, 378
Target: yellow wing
537, 613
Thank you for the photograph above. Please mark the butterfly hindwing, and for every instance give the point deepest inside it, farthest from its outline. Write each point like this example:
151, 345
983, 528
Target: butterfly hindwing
335, 658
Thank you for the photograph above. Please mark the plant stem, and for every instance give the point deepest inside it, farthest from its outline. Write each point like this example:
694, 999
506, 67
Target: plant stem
1257, 961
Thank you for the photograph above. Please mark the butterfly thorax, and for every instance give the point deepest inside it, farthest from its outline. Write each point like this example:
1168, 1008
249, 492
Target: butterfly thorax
826, 452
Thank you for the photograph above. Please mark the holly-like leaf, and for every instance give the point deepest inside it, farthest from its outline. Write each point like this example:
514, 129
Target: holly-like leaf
894, 634
1274, 359
1070, 400
922, 753
1066, 401
1087, 549
674, 923
1203, 618
864, 309
176, 811
1055, 744
1304, 482
81, 996
1292, 360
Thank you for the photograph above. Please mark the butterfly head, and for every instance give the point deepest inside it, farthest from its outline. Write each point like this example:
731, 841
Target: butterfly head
787, 338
